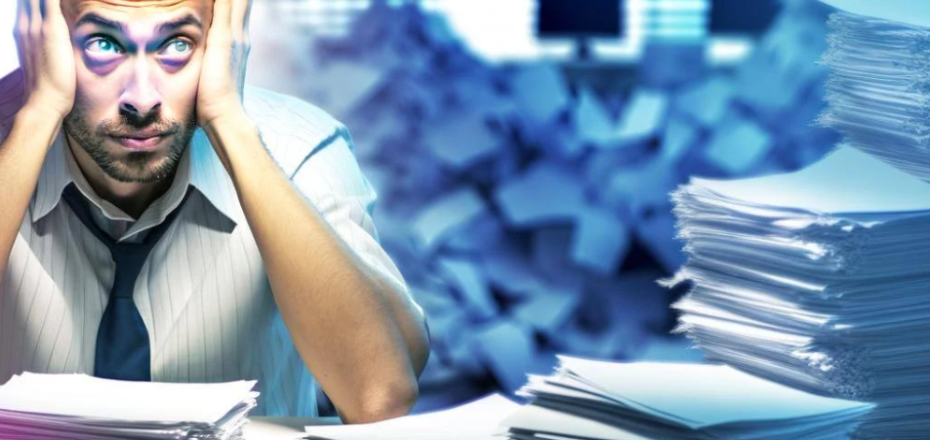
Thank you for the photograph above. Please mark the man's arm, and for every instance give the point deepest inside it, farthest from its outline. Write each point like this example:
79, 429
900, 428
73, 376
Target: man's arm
356, 328
47, 79
21, 157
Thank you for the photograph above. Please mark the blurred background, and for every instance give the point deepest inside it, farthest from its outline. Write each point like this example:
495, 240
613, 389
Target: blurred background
523, 152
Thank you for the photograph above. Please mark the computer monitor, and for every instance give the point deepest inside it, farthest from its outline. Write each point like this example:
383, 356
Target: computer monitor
580, 20
743, 17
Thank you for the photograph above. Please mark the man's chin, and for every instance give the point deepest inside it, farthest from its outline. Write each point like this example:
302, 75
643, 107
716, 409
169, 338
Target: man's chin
131, 166
138, 172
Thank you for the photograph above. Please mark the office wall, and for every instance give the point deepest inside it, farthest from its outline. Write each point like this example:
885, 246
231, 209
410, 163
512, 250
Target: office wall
525, 196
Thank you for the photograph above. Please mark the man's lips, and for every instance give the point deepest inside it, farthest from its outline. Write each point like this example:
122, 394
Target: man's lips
145, 140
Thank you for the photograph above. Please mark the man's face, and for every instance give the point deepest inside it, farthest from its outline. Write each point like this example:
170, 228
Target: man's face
138, 69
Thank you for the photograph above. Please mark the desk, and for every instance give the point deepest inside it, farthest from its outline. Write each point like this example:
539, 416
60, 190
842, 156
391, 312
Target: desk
283, 428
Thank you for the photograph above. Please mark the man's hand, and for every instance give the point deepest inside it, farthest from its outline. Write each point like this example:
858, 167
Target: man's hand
223, 75
46, 57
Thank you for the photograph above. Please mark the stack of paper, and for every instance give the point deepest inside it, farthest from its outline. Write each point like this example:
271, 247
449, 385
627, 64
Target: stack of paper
477, 420
588, 399
877, 91
817, 279
78, 407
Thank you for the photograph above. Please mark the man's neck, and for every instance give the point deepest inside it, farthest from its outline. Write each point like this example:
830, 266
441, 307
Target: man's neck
130, 197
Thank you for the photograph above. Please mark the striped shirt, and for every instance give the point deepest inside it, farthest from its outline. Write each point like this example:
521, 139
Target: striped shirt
203, 293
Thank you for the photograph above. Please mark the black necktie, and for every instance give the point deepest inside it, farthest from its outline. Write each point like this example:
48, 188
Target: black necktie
123, 350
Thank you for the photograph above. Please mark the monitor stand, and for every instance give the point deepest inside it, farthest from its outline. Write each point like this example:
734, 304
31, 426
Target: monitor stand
584, 51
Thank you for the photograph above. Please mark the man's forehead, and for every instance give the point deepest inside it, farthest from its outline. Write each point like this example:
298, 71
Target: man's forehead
135, 8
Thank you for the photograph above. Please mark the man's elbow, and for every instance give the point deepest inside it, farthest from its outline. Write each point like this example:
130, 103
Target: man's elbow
386, 402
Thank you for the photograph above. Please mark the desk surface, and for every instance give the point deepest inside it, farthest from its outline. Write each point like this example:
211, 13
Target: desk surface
282, 428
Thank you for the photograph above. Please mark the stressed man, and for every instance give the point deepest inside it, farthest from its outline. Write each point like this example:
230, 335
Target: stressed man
162, 222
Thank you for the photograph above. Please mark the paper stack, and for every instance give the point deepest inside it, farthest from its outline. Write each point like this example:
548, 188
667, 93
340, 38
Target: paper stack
588, 399
79, 407
817, 279
476, 420
878, 87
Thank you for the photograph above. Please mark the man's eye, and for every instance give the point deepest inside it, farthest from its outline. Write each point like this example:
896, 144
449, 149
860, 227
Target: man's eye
177, 47
102, 46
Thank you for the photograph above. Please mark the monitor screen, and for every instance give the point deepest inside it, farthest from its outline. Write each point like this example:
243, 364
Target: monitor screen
561, 18
742, 16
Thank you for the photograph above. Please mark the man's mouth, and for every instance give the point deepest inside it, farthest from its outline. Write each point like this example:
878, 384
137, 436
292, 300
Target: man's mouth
140, 141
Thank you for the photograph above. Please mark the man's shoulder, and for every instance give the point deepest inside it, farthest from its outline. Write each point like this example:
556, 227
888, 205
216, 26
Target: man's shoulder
291, 128
279, 112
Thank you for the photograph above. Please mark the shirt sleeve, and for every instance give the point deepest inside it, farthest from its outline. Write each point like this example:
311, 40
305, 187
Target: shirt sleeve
12, 95
331, 179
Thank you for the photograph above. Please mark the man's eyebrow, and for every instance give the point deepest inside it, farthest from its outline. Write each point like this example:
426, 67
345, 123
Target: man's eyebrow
97, 19
93, 18
173, 25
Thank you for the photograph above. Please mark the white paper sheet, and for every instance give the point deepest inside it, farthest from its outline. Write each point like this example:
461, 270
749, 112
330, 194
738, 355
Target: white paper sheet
90, 397
845, 181
703, 395
915, 12
538, 419
477, 420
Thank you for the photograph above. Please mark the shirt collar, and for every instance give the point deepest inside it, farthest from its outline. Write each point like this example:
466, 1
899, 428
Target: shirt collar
199, 167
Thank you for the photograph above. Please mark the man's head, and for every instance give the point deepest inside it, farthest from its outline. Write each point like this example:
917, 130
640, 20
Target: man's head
138, 68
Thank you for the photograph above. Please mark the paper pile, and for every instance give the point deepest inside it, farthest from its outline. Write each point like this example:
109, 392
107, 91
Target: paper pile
877, 92
817, 279
477, 420
527, 204
588, 399
79, 407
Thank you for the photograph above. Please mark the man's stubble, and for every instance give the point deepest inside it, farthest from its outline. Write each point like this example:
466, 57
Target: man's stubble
134, 166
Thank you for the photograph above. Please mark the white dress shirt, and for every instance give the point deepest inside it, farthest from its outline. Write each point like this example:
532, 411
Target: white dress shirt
203, 292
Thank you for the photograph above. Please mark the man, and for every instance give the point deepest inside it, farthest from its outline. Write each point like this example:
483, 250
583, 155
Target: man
161, 224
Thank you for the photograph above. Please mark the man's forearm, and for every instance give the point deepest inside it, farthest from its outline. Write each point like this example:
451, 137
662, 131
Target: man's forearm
21, 158
356, 329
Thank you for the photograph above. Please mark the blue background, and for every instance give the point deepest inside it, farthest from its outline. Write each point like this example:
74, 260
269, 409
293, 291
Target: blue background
523, 193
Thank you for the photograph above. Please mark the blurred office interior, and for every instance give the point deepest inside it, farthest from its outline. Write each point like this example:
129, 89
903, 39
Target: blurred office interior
523, 152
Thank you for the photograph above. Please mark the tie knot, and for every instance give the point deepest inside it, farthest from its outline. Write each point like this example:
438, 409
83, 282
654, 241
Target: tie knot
129, 254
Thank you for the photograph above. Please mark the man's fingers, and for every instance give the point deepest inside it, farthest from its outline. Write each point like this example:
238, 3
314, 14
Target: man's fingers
24, 8
22, 17
21, 24
53, 8
20, 9
35, 15
240, 18
35, 9
43, 46
222, 16
19, 32
24, 39
248, 14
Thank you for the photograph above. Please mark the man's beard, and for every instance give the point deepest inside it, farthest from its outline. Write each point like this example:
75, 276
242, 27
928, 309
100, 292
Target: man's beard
132, 166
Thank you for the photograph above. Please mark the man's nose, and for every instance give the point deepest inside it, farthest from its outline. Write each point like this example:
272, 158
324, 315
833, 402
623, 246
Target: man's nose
141, 98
